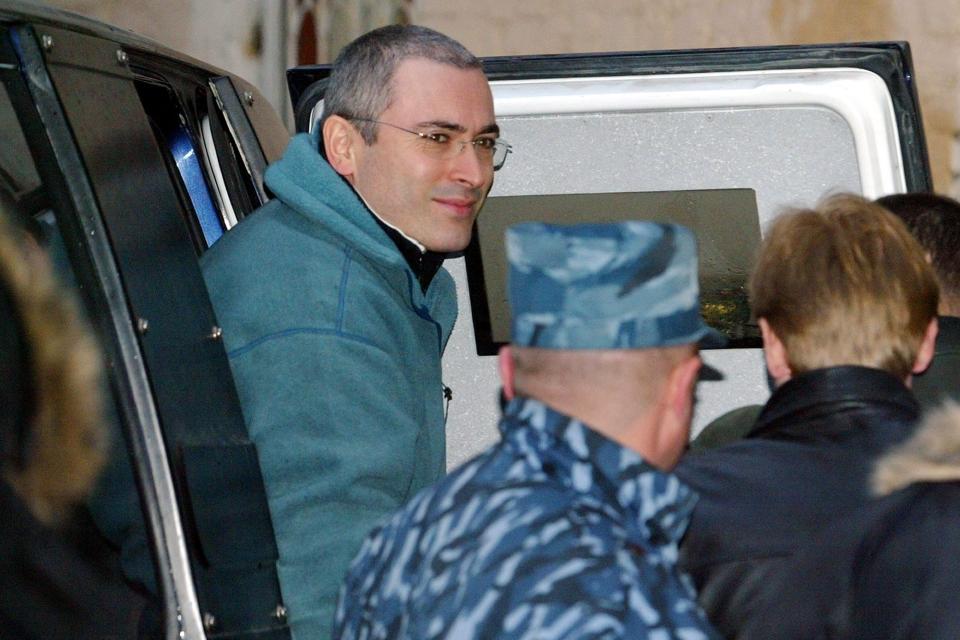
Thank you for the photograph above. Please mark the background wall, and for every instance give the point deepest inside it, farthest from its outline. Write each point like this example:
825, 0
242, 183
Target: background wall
508, 27
258, 39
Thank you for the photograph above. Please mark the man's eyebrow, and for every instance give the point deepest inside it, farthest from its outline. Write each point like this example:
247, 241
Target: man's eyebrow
459, 128
443, 124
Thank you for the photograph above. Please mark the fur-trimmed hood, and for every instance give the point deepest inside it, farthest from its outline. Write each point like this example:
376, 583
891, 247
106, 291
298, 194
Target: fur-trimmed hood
932, 454
61, 449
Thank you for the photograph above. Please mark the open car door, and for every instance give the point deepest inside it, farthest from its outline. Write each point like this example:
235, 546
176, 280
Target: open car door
131, 160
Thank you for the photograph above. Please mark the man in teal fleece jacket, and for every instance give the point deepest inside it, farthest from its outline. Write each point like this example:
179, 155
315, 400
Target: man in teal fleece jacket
334, 308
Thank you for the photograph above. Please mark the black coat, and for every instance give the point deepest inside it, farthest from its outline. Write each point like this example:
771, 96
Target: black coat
805, 462
890, 571
58, 584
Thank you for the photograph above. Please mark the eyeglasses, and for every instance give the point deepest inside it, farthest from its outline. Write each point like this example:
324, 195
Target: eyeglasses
443, 147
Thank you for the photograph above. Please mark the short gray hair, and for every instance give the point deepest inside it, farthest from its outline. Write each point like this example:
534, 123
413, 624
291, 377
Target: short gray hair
360, 82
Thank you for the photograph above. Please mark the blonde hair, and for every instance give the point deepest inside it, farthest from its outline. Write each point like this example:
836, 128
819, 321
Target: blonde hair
66, 439
844, 283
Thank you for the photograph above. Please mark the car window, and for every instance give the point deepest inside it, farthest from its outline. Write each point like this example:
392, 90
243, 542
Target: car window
725, 222
19, 183
201, 157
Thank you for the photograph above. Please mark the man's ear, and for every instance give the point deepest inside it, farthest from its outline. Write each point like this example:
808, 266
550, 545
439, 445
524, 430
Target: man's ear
505, 363
340, 142
927, 347
683, 378
775, 354
674, 422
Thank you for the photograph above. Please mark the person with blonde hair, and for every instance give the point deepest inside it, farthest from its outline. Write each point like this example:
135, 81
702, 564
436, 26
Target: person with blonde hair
847, 307
934, 220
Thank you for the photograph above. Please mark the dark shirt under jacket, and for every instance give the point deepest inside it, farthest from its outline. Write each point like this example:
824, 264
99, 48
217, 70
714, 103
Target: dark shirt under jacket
424, 264
804, 463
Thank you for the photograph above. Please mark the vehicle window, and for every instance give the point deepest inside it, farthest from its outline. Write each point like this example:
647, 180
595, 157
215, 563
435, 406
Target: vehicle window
184, 158
725, 222
233, 184
20, 186
202, 157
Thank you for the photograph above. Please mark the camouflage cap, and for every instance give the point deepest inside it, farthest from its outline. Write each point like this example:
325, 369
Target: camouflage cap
624, 285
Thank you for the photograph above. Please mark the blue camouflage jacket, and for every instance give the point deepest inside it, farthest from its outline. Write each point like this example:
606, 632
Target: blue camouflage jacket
555, 532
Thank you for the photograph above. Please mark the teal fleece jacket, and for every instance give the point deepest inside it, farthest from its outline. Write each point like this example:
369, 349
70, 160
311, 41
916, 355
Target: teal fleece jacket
335, 351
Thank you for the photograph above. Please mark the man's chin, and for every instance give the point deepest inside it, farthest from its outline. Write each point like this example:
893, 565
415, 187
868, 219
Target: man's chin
454, 240
450, 245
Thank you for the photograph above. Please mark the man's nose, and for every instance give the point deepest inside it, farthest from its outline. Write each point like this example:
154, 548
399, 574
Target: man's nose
470, 167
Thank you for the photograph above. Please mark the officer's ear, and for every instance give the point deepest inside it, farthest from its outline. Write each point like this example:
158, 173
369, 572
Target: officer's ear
674, 423
505, 363
340, 143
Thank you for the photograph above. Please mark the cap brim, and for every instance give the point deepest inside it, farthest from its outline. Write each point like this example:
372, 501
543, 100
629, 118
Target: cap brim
712, 339
708, 373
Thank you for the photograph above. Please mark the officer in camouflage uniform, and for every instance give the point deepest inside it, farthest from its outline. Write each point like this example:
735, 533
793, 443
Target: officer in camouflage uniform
568, 527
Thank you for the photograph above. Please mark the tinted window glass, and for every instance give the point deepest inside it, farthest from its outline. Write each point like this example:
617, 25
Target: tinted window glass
725, 222
19, 182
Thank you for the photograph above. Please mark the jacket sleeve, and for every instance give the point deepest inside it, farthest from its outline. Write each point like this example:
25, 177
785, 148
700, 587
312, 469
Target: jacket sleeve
336, 424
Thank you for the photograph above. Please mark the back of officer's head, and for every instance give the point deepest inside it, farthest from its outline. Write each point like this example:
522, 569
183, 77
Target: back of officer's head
605, 327
934, 220
844, 283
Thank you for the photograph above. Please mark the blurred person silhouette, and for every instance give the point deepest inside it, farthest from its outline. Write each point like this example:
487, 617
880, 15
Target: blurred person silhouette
934, 220
56, 579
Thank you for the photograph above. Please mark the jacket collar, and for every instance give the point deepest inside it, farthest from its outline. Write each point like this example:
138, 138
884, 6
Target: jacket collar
824, 392
656, 506
423, 262
305, 182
